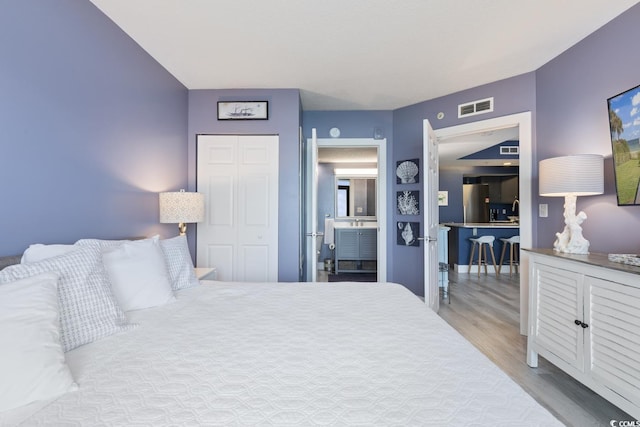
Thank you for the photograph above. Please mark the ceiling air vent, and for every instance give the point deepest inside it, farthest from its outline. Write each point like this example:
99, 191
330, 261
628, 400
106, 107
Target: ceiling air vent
476, 107
509, 150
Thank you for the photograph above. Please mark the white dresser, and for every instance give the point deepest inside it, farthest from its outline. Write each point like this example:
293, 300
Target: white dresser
584, 317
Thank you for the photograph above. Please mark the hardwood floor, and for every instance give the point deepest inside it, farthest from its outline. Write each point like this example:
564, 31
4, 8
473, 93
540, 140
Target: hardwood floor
485, 311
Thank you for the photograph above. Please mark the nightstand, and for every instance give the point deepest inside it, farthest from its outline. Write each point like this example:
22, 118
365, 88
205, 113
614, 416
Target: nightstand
206, 273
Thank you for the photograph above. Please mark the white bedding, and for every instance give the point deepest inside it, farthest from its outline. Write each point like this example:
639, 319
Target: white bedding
287, 354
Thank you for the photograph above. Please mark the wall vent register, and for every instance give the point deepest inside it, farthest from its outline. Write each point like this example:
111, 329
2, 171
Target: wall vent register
473, 108
509, 150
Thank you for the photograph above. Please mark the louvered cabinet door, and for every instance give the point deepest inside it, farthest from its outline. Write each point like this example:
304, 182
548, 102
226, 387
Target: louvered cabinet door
613, 335
559, 299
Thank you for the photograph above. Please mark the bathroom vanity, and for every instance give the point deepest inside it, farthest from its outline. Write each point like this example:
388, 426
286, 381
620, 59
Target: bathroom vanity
356, 247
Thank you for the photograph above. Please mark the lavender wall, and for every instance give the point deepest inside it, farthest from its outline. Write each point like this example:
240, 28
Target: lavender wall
91, 127
514, 95
572, 118
284, 120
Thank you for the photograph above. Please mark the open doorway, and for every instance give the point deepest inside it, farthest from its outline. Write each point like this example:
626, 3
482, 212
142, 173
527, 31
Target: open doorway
346, 193
521, 122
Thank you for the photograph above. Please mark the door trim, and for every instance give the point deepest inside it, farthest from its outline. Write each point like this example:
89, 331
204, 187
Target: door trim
381, 145
523, 121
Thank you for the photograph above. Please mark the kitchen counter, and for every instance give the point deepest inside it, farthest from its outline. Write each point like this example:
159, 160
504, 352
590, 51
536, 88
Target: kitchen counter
460, 245
495, 224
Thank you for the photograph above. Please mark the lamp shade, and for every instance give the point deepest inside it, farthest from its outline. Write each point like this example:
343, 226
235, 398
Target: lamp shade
181, 207
578, 175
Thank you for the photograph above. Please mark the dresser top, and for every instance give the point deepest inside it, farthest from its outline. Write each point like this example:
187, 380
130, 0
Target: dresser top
596, 259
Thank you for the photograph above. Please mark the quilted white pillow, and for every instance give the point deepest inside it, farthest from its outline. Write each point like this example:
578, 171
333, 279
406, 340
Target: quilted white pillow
38, 252
179, 263
138, 274
176, 256
32, 364
88, 310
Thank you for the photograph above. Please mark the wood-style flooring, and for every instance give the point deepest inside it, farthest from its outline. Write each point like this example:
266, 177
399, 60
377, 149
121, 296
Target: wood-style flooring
485, 311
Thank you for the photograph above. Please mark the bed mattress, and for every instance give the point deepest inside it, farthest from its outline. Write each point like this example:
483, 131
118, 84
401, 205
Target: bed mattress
287, 354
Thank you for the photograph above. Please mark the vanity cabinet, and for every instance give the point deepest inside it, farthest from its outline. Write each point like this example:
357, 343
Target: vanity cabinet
356, 250
584, 317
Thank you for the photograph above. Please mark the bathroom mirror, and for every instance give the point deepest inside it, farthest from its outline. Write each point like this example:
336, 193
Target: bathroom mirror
355, 197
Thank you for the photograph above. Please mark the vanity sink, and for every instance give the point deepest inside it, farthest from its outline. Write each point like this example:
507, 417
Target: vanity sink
355, 224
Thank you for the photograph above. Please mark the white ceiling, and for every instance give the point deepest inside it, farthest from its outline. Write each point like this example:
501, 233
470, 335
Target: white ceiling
356, 54
450, 150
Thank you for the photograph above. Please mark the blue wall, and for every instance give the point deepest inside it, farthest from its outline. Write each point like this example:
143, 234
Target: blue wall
91, 128
284, 120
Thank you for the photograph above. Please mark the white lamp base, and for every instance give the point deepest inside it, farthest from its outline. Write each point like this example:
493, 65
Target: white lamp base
571, 241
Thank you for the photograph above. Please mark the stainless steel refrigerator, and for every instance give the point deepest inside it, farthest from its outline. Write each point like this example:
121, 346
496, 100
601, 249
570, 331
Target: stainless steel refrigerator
475, 202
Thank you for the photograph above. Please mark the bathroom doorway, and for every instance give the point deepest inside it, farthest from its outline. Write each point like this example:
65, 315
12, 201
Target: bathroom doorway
345, 183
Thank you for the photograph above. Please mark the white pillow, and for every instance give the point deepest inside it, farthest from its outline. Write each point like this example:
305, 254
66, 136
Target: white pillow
138, 274
32, 364
100, 243
38, 252
176, 256
179, 263
88, 310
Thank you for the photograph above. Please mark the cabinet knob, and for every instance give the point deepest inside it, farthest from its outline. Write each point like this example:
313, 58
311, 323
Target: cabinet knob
579, 323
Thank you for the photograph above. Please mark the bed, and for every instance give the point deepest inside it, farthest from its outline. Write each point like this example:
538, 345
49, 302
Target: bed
223, 353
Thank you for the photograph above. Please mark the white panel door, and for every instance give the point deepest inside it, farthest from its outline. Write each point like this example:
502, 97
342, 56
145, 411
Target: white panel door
239, 177
431, 217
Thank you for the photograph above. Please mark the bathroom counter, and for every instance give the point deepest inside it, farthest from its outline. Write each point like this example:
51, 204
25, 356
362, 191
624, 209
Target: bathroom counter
352, 224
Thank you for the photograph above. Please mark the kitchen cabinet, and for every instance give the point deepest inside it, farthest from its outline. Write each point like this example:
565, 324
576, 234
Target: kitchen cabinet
502, 189
356, 250
509, 189
584, 317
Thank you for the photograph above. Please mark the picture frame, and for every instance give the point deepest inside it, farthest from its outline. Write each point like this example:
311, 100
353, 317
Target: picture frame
624, 128
408, 171
243, 110
407, 233
443, 198
408, 202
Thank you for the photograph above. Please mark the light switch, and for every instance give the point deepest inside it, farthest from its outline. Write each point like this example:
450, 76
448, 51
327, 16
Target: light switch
543, 210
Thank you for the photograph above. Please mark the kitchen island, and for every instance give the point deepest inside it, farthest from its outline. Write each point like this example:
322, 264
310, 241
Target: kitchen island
460, 246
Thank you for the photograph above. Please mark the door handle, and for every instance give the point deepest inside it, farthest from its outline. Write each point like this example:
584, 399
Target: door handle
315, 234
428, 239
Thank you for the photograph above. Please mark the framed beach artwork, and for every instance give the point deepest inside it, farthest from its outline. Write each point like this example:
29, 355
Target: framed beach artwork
243, 110
624, 126
408, 171
408, 233
408, 202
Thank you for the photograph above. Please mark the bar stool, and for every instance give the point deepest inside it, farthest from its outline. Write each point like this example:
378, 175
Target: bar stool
514, 252
480, 242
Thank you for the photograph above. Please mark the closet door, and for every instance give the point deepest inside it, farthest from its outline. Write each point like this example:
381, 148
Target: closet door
238, 175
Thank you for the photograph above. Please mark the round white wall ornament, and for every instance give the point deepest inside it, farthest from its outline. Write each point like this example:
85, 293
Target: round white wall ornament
334, 132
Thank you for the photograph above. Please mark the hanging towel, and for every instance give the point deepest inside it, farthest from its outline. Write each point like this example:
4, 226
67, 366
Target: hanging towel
328, 231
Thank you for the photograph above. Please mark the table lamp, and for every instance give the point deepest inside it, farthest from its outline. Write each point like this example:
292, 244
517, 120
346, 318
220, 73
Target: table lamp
181, 207
572, 176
